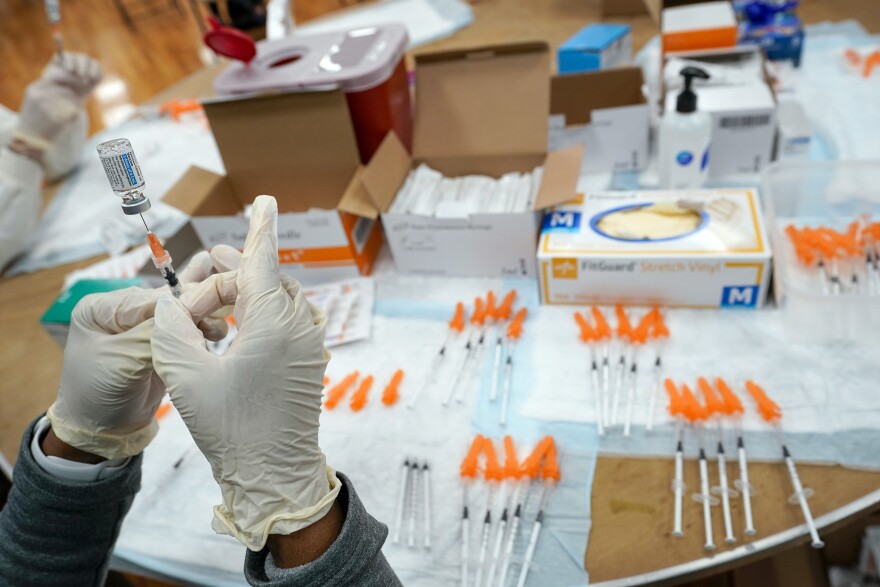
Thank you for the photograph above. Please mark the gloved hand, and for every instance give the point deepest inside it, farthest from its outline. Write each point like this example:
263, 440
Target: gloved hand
254, 410
109, 392
54, 100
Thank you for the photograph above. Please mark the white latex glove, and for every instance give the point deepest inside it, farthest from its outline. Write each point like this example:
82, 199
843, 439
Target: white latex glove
109, 392
254, 410
54, 101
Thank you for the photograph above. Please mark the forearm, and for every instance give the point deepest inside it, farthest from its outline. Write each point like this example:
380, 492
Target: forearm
353, 558
59, 532
20, 182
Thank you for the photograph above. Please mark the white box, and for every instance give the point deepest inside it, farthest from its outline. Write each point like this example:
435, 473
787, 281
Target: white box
466, 123
480, 245
795, 131
743, 127
313, 246
724, 262
702, 25
606, 113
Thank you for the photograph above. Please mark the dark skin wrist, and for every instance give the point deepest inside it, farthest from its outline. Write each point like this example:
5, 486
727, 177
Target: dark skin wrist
55, 447
307, 545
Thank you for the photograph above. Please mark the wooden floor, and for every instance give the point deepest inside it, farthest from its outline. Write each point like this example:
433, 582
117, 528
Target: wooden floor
166, 46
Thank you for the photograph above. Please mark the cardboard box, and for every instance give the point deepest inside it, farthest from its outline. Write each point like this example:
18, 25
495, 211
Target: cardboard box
722, 263
478, 111
596, 46
707, 25
300, 148
607, 113
612, 8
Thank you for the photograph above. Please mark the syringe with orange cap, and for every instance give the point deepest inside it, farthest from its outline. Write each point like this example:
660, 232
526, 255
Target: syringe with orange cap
715, 407
512, 474
624, 334
677, 411
502, 314
733, 408
456, 327
550, 475
659, 334
514, 331
772, 414
162, 261
638, 338
494, 475
697, 414
477, 319
531, 470
590, 338
603, 335
468, 472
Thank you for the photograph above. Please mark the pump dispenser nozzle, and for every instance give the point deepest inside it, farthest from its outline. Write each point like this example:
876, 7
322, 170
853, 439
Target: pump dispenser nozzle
687, 99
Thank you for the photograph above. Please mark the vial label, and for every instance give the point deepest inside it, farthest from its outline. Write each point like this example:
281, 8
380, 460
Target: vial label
123, 172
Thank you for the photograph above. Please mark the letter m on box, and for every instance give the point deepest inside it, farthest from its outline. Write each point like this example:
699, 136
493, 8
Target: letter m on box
562, 221
739, 296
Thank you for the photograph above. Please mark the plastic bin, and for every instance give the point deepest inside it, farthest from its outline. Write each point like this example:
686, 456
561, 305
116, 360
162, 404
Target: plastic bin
832, 194
367, 63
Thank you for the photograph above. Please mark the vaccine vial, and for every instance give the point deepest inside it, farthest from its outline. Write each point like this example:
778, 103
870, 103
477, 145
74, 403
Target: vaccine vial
124, 175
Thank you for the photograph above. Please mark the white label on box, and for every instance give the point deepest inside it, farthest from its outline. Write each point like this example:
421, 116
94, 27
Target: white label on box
708, 282
742, 143
482, 245
312, 246
615, 140
316, 229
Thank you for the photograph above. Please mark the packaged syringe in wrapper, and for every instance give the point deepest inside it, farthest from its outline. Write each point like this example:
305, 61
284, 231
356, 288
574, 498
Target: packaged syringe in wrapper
701, 249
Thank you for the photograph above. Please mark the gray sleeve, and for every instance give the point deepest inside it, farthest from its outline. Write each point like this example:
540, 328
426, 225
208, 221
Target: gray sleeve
355, 559
55, 532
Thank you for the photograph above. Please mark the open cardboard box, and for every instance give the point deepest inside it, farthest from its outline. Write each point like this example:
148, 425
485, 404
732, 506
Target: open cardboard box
478, 111
299, 147
607, 113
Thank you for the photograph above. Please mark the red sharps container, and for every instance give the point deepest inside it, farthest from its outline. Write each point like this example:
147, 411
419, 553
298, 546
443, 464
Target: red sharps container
367, 63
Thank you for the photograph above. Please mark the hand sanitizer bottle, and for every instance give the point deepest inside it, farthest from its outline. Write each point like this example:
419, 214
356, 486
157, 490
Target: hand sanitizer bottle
683, 157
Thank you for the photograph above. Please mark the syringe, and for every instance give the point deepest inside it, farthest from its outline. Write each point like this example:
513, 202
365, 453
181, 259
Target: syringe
53, 14
127, 182
162, 261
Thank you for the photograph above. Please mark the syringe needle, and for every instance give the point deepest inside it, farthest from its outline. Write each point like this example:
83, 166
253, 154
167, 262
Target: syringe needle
145, 222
